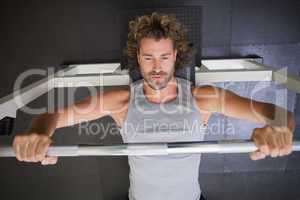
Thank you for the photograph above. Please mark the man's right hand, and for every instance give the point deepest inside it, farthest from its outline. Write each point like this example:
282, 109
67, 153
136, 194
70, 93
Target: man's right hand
32, 147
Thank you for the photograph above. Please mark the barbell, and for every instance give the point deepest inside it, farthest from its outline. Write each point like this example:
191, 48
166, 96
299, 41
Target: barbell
138, 149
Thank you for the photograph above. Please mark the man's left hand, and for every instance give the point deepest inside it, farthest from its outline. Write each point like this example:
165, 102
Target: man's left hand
271, 141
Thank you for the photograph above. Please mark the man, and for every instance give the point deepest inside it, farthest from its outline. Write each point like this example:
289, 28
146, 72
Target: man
160, 108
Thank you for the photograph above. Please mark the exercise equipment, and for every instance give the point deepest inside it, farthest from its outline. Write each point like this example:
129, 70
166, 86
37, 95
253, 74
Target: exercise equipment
138, 149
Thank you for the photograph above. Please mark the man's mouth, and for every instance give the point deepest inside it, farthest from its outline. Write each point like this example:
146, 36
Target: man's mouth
156, 76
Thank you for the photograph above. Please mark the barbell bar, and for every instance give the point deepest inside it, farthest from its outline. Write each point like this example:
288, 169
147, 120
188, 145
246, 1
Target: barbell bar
138, 149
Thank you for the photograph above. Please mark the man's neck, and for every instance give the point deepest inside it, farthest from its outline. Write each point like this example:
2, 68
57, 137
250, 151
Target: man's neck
160, 96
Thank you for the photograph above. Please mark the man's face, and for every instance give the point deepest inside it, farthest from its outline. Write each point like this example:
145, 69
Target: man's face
157, 61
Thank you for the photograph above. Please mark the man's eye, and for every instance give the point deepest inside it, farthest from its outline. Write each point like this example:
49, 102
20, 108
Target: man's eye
147, 58
165, 58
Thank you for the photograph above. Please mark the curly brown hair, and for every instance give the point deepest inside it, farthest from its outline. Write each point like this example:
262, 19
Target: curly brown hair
157, 26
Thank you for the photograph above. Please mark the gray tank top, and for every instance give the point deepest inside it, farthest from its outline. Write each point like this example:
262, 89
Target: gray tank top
166, 177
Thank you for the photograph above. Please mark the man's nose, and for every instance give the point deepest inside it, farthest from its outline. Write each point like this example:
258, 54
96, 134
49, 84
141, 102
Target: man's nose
157, 66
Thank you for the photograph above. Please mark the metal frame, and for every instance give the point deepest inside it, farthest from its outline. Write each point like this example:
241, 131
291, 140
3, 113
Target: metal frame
109, 74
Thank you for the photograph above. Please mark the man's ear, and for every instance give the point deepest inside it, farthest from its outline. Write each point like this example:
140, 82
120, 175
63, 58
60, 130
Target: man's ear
175, 53
138, 57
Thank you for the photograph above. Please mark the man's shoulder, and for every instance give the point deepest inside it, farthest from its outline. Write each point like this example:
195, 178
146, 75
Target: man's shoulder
203, 91
120, 94
119, 98
205, 96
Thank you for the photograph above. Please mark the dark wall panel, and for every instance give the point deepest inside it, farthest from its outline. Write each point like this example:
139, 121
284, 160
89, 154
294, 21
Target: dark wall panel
265, 22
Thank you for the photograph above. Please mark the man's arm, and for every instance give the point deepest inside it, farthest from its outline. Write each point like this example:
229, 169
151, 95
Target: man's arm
32, 145
92, 107
274, 139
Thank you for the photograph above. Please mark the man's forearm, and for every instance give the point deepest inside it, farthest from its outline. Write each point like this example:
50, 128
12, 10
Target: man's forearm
291, 121
44, 124
278, 116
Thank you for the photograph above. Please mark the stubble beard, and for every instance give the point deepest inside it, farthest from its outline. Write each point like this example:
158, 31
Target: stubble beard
158, 84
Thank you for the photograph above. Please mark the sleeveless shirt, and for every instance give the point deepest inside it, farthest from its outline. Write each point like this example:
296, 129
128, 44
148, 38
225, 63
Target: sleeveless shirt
165, 177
